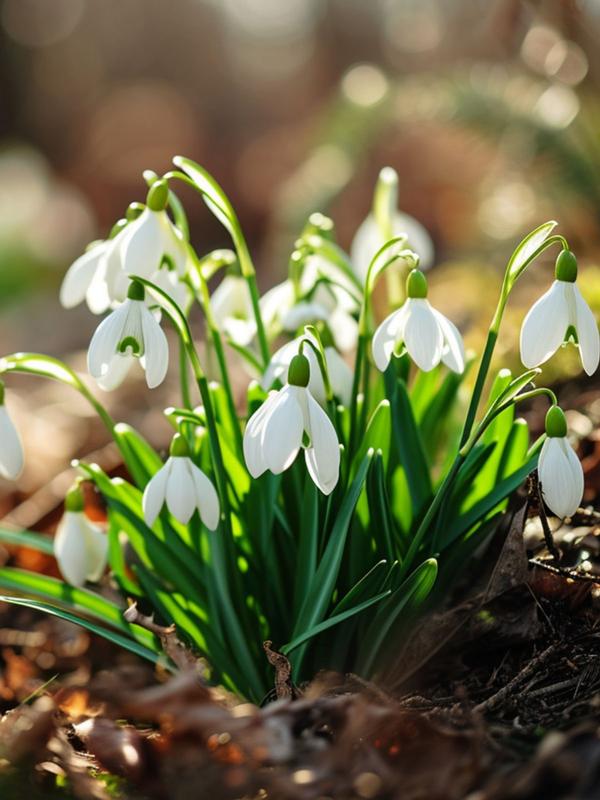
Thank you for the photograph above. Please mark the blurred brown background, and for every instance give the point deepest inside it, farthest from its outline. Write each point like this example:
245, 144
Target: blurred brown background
488, 110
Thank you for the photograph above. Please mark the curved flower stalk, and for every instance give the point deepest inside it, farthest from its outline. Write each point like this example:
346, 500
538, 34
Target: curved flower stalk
428, 336
340, 374
558, 315
386, 222
231, 306
276, 432
183, 487
11, 449
128, 333
560, 471
80, 546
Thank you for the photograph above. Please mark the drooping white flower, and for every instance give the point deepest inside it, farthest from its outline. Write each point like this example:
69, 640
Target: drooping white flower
11, 449
428, 336
131, 331
334, 303
80, 546
559, 313
369, 237
340, 374
151, 237
232, 308
277, 430
559, 470
183, 487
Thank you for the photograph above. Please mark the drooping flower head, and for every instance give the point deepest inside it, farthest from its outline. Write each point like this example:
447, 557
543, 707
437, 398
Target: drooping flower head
130, 332
288, 420
559, 315
80, 546
183, 487
11, 449
232, 308
559, 470
428, 336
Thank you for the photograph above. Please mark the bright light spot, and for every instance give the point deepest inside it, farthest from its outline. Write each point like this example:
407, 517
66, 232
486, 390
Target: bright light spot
272, 18
39, 23
567, 62
557, 107
130, 754
303, 776
413, 26
367, 785
538, 42
364, 85
507, 209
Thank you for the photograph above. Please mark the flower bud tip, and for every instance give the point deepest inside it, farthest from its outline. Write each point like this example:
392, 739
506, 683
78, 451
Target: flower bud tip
299, 371
416, 284
566, 266
179, 447
158, 195
556, 423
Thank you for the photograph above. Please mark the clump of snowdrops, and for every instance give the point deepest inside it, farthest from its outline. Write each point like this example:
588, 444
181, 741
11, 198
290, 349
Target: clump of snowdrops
339, 498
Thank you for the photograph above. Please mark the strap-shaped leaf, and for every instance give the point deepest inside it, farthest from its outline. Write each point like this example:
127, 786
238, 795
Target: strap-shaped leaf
527, 248
32, 539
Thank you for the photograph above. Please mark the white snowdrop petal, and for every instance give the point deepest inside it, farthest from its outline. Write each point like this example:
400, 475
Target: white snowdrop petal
106, 339
98, 297
142, 245
561, 477
11, 449
155, 494
181, 492
344, 329
422, 334
96, 550
70, 548
587, 333
116, 371
453, 353
279, 363
367, 241
385, 337
303, 313
156, 349
340, 376
207, 499
323, 460
282, 431
544, 327
173, 243
274, 303
79, 276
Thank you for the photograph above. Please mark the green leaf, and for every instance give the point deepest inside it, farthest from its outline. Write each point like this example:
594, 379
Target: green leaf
378, 433
143, 461
408, 443
112, 636
34, 540
321, 588
214, 197
406, 600
370, 584
527, 248
76, 599
331, 621
41, 365
381, 524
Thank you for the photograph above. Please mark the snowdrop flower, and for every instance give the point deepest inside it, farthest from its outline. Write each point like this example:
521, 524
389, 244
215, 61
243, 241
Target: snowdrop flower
340, 374
288, 420
130, 332
556, 316
428, 336
559, 470
183, 487
232, 308
11, 449
369, 236
80, 547
152, 236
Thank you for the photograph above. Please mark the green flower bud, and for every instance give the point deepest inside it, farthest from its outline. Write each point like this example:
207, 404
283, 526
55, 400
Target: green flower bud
117, 228
179, 447
136, 291
566, 267
74, 499
299, 371
416, 284
158, 196
133, 211
556, 423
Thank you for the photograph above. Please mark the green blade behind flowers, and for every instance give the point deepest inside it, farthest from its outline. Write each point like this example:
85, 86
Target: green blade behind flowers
213, 195
330, 622
143, 461
75, 599
31, 539
322, 585
406, 600
408, 443
112, 636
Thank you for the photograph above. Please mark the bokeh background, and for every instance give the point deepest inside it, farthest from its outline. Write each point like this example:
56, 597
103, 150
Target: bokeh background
488, 109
